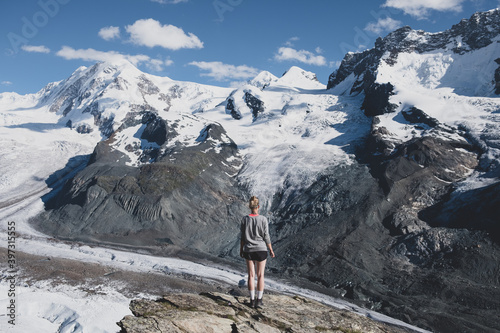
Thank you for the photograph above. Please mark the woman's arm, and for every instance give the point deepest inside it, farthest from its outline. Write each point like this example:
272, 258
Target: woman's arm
270, 247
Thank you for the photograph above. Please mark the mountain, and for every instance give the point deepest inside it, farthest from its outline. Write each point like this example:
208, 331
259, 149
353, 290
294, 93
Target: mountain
381, 187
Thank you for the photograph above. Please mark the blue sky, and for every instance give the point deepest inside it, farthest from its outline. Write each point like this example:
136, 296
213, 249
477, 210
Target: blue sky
217, 42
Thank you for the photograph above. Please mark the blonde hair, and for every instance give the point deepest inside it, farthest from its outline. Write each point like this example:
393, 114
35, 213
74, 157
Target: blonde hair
254, 202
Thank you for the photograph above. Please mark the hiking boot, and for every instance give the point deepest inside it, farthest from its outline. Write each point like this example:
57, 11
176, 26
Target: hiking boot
259, 303
253, 303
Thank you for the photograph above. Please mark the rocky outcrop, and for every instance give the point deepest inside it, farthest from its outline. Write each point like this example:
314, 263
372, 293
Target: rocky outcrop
497, 77
417, 116
476, 209
232, 109
255, 104
215, 312
377, 100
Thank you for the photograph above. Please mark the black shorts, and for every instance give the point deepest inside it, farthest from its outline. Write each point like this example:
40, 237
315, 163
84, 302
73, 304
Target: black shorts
255, 256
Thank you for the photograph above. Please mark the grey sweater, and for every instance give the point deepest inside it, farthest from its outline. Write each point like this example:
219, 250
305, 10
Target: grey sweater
255, 233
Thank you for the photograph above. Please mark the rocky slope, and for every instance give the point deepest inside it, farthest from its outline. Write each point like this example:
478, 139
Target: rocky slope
216, 312
382, 189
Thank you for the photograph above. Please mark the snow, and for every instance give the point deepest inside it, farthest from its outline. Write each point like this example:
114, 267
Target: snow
299, 78
263, 79
44, 307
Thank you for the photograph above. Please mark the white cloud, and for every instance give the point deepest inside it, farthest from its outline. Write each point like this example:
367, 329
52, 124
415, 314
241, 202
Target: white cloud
291, 41
224, 72
420, 8
287, 53
36, 49
6, 83
108, 33
383, 24
70, 53
151, 33
157, 64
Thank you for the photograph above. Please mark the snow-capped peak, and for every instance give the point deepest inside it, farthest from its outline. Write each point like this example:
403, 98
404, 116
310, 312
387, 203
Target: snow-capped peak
299, 78
263, 79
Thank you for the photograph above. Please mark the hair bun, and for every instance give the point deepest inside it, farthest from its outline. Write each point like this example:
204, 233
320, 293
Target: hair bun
254, 202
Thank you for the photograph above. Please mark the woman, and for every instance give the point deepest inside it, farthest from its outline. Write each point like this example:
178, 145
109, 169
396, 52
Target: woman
255, 241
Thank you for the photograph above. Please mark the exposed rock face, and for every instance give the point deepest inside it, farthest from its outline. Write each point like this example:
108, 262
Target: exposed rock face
255, 104
155, 131
417, 116
377, 100
215, 312
476, 209
497, 77
232, 109
182, 198
426, 158
367, 232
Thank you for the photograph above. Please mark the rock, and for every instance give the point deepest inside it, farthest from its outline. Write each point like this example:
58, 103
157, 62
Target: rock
497, 77
405, 221
83, 129
417, 116
155, 131
255, 104
447, 161
216, 312
147, 87
476, 209
232, 109
377, 100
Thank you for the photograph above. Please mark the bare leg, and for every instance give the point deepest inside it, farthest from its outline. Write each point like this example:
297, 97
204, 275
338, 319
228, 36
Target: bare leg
251, 274
261, 267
